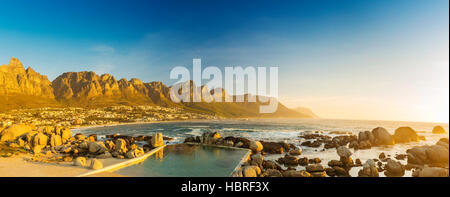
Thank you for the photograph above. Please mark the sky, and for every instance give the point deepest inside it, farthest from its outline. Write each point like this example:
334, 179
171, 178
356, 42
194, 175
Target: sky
358, 59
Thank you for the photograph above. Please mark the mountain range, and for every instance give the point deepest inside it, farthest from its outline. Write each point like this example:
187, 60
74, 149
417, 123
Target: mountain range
24, 88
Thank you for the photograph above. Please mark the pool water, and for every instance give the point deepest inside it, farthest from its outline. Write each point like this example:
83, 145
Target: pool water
187, 160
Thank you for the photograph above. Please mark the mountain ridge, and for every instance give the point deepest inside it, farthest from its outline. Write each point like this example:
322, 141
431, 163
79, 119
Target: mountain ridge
25, 88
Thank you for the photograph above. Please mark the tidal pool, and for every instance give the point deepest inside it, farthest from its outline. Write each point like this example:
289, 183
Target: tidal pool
187, 160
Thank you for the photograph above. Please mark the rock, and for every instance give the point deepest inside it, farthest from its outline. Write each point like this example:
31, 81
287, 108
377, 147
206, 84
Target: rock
12, 132
314, 168
318, 174
267, 164
80, 161
400, 156
330, 172
96, 164
347, 161
137, 152
394, 169
40, 139
121, 146
431, 172
438, 130
358, 162
256, 146
92, 138
382, 156
382, 136
257, 158
295, 152
272, 147
437, 154
239, 144
315, 160
405, 135
228, 143
343, 151
293, 173
55, 140
417, 155
303, 161
237, 173
251, 171
97, 147
290, 160
272, 173
104, 155
80, 137
66, 135
341, 172
209, 137
333, 163
369, 169
157, 140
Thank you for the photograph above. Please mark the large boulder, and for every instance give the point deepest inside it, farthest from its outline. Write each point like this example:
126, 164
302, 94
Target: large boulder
79, 161
251, 171
438, 130
272, 147
343, 151
369, 169
96, 164
394, 169
405, 135
417, 155
55, 140
96, 147
121, 146
437, 154
157, 140
256, 146
431, 172
40, 139
382, 136
65, 135
12, 132
137, 152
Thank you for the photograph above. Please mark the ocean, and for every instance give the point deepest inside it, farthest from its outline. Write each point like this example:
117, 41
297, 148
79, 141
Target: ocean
287, 130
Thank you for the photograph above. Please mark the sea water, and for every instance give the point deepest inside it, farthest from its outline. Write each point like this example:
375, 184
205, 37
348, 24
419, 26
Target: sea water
287, 130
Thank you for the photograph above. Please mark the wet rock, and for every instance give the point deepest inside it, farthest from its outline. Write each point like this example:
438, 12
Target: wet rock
333, 163
382, 156
267, 164
330, 172
405, 135
272, 147
290, 160
438, 130
121, 146
369, 169
257, 158
318, 174
256, 146
343, 151
294, 173
314, 144
341, 172
137, 152
394, 169
251, 171
437, 154
400, 156
272, 173
157, 140
315, 160
97, 147
382, 136
80, 137
295, 152
303, 161
315, 168
92, 138
358, 162
431, 172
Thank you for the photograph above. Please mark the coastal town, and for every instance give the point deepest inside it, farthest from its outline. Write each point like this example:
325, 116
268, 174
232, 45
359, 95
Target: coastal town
79, 117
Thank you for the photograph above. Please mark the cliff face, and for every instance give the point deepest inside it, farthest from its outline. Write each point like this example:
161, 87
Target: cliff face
15, 80
20, 88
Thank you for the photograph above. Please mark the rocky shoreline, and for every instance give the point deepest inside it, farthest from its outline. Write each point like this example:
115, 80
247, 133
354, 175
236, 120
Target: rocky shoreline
423, 161
58, 144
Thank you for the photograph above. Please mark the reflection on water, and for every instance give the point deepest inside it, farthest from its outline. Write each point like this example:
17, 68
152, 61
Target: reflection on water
185, 160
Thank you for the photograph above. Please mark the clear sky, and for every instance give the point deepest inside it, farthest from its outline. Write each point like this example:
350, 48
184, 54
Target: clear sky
365, 59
